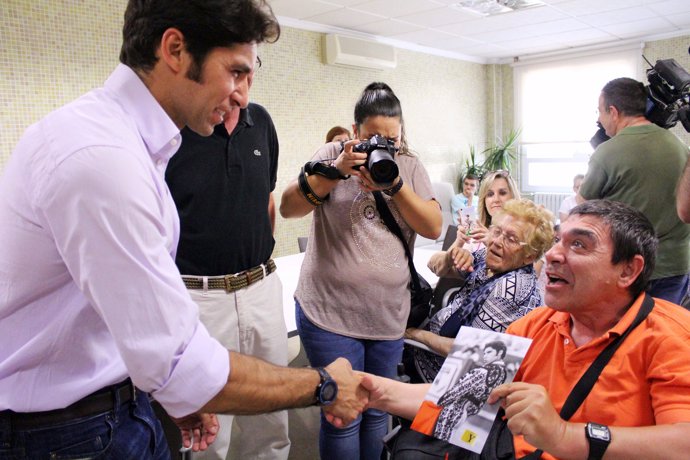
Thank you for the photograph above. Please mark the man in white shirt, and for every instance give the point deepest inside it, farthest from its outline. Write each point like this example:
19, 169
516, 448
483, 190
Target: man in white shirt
93, 311
571, 201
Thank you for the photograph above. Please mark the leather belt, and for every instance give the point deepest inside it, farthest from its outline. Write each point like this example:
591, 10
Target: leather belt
231, 283
96, 403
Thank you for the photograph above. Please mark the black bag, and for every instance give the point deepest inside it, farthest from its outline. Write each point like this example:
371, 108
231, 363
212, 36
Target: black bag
407, 444
420, 289
420, 304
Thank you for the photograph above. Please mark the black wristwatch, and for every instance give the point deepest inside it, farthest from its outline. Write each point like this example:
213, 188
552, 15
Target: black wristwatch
329, 172
599, 438
327, 389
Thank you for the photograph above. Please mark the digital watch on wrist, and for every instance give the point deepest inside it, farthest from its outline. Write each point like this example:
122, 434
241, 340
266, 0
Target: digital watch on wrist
599, 438
327, 390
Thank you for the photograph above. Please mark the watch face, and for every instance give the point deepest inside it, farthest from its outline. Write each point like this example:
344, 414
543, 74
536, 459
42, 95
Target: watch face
329, 390
599, 432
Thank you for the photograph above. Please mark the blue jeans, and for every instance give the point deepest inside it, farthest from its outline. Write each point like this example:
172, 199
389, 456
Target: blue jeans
363, 438
129, 432
672, 288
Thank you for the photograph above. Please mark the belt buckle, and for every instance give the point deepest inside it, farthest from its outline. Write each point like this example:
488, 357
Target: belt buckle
228, 285
250, 277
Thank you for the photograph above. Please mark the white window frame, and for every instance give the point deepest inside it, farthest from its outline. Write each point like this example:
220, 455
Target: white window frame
577, 141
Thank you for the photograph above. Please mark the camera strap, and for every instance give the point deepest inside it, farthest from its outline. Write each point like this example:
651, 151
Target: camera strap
393, 226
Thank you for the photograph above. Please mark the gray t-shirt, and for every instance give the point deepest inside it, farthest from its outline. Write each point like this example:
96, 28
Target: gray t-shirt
354, 279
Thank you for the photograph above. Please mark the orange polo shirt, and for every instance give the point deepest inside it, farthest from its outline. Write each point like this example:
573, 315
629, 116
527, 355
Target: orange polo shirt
647, 382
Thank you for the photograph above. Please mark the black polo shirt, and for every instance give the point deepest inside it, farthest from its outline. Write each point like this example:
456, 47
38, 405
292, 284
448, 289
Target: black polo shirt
221, 186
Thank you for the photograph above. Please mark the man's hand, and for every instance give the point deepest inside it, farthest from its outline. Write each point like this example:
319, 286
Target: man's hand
352, 397
377, 391
198, 430
530, 413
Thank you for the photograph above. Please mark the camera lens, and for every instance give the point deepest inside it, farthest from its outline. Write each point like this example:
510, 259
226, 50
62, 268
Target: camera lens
382, 167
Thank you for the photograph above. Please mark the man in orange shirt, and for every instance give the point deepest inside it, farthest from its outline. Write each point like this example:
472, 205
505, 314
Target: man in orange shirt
640, 405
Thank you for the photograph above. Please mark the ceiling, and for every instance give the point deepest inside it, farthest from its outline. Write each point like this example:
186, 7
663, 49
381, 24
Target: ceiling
440, 27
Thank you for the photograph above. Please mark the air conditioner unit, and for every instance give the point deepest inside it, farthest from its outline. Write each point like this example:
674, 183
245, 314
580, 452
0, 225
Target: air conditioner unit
349, 51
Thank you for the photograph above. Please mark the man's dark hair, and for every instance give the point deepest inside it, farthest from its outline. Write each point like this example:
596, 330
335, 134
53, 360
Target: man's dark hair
631, 232
205, 24
499, 346
628, 96
471, 177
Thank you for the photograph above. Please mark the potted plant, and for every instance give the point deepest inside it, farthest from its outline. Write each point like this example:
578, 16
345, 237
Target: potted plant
502, 154
471, 166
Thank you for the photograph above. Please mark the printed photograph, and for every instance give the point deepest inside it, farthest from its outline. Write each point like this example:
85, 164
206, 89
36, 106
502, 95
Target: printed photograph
479, 361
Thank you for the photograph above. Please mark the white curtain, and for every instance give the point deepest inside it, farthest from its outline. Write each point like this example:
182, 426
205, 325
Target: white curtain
555, 103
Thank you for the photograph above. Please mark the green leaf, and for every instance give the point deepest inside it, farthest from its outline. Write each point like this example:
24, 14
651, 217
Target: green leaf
502, 154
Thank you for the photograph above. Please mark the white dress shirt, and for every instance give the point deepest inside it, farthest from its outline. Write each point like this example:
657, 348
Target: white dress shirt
89, 290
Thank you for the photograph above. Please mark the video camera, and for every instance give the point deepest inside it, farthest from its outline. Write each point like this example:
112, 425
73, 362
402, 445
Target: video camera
668, 97
668, 94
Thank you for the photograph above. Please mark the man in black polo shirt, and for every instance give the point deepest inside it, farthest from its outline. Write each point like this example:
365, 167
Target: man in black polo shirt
222, 186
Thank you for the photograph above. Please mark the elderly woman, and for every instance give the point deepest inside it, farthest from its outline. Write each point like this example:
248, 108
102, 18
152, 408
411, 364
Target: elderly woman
500, 284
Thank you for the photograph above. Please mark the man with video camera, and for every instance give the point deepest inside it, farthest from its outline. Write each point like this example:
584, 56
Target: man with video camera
640, 165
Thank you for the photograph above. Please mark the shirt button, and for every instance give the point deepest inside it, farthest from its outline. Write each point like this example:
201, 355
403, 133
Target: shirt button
566, 341
173, 142
159, 162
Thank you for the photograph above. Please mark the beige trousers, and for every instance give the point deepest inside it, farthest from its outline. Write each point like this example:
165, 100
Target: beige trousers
249, 321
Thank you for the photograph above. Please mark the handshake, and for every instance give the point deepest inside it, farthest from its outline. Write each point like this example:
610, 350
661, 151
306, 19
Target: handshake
257, 387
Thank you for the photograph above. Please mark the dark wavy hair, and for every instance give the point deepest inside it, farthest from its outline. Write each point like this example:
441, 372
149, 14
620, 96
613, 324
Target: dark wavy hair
499, 346
631, 232
205, 24
378, 99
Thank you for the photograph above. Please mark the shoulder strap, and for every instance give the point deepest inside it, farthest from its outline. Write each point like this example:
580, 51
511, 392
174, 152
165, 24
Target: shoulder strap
584, 386
393, 226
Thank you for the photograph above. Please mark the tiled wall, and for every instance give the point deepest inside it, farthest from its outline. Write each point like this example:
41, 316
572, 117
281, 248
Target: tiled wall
52, 52
55, 50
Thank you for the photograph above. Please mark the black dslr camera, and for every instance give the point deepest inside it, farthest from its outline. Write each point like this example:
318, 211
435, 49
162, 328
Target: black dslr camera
380, 159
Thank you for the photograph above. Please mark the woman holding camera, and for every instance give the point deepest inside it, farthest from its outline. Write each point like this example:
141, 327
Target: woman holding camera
352, 299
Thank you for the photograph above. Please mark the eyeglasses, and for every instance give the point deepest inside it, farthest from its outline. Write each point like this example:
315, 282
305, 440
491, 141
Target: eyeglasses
509, 239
